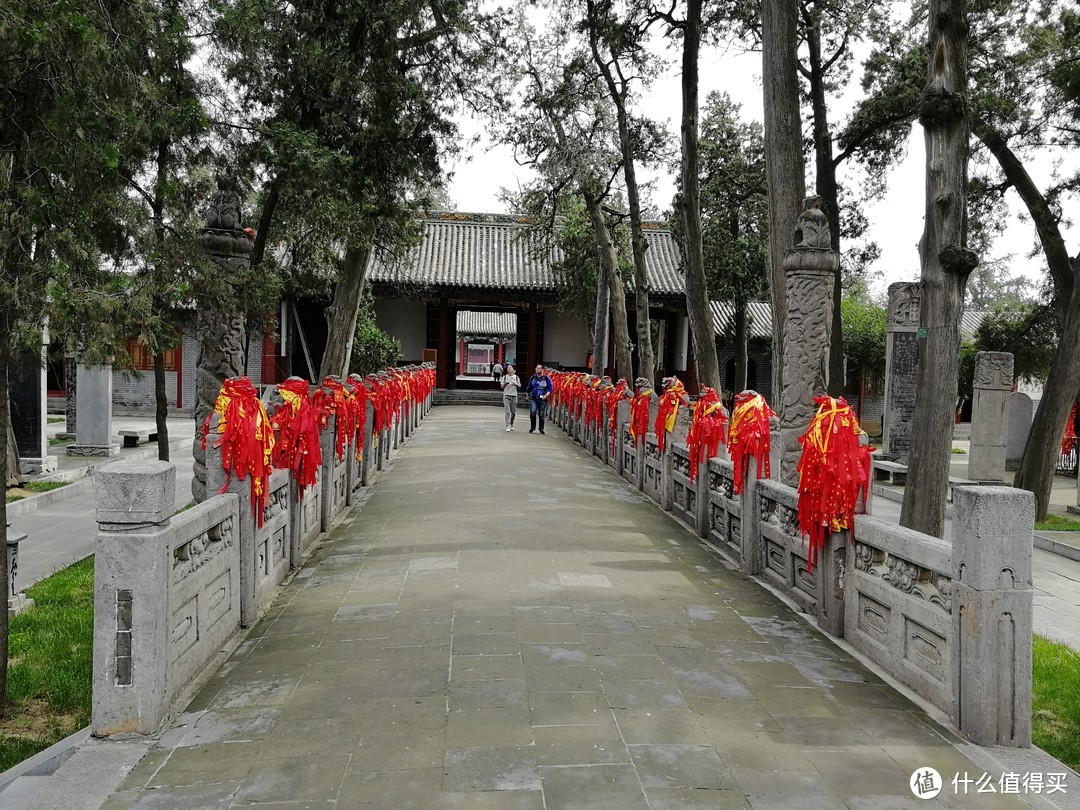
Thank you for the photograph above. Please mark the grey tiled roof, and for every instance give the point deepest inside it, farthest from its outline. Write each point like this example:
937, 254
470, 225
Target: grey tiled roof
486, 324
497, 251
759, 314
970, 321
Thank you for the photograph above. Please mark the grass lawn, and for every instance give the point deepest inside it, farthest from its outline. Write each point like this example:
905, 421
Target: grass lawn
1057, 523
33, 487
55, 420
1055, 707
51, 660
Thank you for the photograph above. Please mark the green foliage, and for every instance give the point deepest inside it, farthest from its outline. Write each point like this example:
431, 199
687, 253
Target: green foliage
373, 349
49, 683
864, 333
1026, 330
1055, 712
734, 207
577, 273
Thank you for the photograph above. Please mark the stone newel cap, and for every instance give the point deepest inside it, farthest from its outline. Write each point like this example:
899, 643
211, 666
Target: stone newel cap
135, 493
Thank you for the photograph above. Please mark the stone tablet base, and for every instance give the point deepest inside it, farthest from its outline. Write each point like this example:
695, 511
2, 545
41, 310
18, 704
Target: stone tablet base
38, 466
93, 450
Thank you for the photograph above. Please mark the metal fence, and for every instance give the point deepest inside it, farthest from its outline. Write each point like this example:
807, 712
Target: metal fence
1067, 464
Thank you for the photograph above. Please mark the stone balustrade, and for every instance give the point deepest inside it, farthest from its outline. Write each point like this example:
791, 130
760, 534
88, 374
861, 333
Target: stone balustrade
951, 619
170, 590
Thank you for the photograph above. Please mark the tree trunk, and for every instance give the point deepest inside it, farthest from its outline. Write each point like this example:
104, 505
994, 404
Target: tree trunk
161, 401
697, 294
600, 328
946, 264
341, 317
5, 471
609, 260
741, 348
784, 163
828, 190
1036, 472
617, 90
1043, 446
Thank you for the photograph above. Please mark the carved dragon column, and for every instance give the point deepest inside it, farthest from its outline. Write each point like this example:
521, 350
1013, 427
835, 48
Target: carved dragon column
221, 328
809, 267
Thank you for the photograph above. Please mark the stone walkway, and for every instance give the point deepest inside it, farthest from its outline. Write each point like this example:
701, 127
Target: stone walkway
506, 625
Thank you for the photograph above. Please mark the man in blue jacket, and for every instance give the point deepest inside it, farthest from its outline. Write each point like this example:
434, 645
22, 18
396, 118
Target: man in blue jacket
538, 389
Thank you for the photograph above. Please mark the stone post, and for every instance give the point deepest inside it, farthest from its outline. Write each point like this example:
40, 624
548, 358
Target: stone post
992, 614
327, 437
901, 367
809, 267
830, 574
131, 581
993, 381
222, 333
94, 395
17, 602
751, 546
367, 462
1019, 411
215, 480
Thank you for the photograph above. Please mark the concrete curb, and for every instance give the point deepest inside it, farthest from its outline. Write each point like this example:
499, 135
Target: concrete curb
1047, 542
78, 475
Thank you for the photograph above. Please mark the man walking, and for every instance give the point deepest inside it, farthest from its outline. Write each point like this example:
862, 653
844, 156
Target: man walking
538, 389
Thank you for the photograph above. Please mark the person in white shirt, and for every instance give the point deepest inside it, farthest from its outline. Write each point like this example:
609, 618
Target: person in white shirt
510, 385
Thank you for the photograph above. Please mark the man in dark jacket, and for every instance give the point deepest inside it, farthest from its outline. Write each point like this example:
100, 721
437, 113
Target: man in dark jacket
539, 389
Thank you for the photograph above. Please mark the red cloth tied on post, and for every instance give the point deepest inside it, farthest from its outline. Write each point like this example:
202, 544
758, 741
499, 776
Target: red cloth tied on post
706, 429
335, 400
612, 399
594, 404
1068, 441
245, 438
674, 395
833, 469
639, 413
749, 436
296, 423
360, 398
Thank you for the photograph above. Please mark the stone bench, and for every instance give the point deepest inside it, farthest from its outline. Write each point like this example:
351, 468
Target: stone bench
133, 438
891, 471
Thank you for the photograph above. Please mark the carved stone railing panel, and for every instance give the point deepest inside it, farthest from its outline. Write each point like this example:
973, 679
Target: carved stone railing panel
684, 493
784, 553
725, 509
899, 605
273, 541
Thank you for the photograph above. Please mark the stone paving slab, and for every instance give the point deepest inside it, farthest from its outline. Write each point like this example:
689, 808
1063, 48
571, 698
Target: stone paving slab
507, 625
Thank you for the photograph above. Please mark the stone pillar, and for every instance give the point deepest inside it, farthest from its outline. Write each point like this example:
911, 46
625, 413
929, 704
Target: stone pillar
222, 332
991, 619
71, 387
809, 267
29, 392
901, 367
131, 612
94, 404
993, 381
1019, 411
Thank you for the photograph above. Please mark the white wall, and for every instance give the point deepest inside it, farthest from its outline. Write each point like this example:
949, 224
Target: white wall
407, 321
566, 340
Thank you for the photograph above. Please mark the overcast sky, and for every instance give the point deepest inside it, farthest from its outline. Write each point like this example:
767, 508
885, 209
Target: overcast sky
896, 221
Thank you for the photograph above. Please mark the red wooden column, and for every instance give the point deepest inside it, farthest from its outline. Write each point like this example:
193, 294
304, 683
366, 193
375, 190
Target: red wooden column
445, 366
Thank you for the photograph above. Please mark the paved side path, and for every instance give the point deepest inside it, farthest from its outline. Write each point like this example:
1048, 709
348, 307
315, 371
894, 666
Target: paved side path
506, 625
